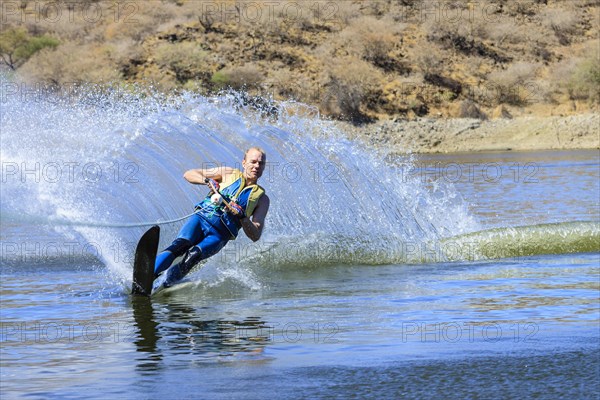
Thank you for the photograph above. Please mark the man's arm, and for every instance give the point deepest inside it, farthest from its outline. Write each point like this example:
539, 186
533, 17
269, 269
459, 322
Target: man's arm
253, 229
197, 176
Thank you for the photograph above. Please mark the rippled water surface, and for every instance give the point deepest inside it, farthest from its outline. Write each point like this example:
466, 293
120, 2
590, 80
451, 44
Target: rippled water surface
361, 310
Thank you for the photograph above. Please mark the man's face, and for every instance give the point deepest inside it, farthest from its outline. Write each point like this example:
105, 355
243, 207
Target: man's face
254, 164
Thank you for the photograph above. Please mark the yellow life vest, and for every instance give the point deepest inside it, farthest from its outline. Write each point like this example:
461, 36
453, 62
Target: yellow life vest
233, 188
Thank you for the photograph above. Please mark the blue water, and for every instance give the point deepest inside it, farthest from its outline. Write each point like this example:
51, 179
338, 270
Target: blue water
347, 295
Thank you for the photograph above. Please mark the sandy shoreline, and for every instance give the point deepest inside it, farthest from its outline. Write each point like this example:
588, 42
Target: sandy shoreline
427, 135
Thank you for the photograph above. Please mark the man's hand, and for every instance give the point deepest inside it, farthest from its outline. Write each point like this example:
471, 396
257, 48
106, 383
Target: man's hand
236, 209
213, 185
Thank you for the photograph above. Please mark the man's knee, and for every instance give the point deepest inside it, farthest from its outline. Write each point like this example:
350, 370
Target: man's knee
179, 246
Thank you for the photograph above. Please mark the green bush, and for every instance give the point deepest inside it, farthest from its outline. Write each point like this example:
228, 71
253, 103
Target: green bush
219, 79
17, 46
243, 77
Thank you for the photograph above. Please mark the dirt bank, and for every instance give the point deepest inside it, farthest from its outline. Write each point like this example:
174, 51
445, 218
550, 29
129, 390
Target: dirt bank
464, 135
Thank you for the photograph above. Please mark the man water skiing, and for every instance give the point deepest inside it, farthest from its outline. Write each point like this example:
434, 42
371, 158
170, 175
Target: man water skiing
218, 220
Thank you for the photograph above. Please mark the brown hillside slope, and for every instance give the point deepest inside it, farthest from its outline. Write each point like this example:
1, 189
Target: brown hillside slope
359, 61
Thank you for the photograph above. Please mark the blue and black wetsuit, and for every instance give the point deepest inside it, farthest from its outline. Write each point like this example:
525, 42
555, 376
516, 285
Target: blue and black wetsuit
209, 229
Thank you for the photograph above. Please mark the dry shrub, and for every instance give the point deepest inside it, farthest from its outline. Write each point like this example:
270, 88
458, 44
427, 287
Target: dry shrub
149, 16
184, 59
404, 96
477, 69
323, 16
285, 84
160, 11
82, 21
371, 39
462, 36
158, 79
517, 24
352, 85
277, 18
467, 109
515, 84
429, 60
507, 31
186, 10
70, 63
345, 11
128, 56
541, 52
379, 38
585, 80
564, 23
138, 31
452, 86
437, 27
578, 78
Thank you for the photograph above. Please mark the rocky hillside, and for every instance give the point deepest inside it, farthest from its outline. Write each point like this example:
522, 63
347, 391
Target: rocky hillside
359, 61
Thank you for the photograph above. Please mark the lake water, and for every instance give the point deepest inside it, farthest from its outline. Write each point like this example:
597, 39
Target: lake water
463, 276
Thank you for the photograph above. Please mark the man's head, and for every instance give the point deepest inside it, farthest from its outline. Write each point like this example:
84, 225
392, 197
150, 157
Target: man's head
254, 163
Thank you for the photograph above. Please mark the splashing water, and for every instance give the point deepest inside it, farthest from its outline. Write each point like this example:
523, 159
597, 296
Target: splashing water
117, 158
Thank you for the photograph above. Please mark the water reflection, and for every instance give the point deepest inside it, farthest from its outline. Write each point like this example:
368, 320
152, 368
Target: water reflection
147, 339
166, 331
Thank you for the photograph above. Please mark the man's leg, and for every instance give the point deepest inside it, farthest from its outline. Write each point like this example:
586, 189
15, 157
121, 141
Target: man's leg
208, 247
212, 243
167, 256
190, 234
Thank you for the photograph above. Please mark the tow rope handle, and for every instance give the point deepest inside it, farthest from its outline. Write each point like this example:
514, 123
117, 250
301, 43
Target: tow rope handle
215, 190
